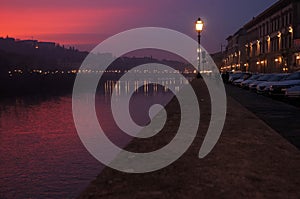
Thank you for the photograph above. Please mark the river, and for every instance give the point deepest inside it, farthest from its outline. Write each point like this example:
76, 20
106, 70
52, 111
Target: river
41, 154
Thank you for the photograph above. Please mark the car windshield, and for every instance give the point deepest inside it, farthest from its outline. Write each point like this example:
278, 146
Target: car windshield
233, 75
254, 77
265, 77
294, 76
276, 78
238, 75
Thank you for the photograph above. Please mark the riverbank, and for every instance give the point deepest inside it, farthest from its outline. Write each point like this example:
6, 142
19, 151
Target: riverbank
250, 160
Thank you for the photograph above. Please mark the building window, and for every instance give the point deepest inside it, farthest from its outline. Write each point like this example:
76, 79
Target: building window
280, 22
275, 44
272, 45
290, 18
286, 19
289, 41
271, 25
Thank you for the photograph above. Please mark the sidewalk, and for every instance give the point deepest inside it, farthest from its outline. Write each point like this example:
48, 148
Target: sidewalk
250, 160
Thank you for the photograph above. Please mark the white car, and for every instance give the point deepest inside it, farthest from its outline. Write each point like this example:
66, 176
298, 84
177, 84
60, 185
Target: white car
279, 88
263, 78
263, 88
253, 78
293, 92
235, 76
240, 80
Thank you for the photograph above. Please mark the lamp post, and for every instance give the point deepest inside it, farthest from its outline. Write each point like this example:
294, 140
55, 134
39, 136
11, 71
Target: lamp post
199, 27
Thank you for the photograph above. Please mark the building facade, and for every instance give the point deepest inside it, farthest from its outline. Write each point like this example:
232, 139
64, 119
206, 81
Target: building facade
269, 43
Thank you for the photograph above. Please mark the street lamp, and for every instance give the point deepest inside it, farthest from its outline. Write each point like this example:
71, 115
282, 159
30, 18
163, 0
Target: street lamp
199, 27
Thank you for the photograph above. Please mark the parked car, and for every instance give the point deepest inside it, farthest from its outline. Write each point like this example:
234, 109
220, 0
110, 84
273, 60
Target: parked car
279, 88
235, 76
241, 79
261, 79
293, 92
245, 84
263, 88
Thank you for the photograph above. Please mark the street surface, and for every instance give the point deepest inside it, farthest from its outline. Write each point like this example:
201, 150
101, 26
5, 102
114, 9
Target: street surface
250, 160
280, 116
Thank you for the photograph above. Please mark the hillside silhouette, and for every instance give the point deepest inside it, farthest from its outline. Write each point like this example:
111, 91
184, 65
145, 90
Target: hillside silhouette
31, 66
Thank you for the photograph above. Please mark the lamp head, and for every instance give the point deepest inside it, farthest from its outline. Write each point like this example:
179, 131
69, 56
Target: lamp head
199, 25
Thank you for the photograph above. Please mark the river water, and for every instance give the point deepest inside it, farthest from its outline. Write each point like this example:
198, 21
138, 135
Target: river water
41, 155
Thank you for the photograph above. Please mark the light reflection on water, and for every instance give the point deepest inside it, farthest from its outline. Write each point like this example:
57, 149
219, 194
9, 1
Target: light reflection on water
41, 155
145, 87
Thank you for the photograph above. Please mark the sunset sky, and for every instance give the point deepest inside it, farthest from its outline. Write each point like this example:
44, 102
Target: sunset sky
84, 24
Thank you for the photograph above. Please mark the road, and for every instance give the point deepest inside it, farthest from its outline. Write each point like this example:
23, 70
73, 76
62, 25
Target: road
282, 117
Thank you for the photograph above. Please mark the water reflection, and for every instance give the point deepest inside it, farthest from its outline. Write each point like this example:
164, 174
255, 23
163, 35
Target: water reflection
41, 155
145, 86
38, 142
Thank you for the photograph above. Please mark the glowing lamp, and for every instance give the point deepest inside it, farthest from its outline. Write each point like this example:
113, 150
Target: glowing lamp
279, 34
199, 25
